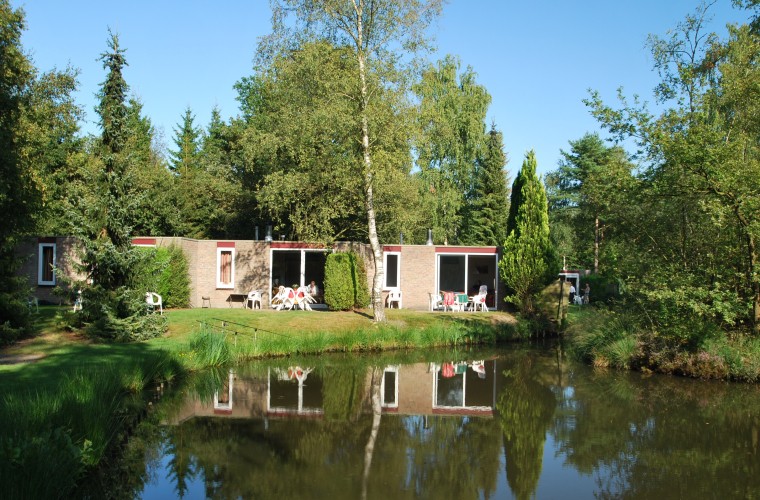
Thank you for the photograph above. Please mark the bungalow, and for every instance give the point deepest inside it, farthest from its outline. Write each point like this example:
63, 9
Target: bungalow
222, 272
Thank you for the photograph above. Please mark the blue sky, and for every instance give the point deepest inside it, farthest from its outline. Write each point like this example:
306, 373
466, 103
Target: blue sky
537, 59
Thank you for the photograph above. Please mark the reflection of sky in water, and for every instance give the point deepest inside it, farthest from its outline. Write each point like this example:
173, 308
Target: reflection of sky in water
559, 480
162, 488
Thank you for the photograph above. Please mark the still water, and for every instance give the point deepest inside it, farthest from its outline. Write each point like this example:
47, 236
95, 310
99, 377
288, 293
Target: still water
518, 422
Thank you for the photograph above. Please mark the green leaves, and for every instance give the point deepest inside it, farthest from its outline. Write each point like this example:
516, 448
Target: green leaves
529, 261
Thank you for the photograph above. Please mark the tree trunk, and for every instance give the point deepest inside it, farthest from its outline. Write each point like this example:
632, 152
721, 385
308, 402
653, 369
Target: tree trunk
369, 449
753, 281
596, 244
377, 251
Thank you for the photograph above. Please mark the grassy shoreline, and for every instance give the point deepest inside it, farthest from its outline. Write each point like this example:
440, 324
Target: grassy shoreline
612, 339
69, 406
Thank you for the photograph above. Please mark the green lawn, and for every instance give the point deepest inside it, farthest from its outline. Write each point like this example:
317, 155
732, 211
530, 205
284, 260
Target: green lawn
53, 352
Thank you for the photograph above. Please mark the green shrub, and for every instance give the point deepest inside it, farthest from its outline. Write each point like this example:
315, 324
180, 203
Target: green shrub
603, 288
165, 271
14, 315
120, 315
339, 284
359, 280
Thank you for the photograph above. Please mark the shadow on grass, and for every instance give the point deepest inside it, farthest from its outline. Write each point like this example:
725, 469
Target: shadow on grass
363, 314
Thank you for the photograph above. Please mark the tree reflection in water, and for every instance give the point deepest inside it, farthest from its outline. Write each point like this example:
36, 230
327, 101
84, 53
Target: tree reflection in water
341, 436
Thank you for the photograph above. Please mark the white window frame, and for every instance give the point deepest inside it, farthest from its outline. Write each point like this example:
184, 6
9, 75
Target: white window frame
219, 284
467, 256
383, 403
385, 271
228, 405
41, 264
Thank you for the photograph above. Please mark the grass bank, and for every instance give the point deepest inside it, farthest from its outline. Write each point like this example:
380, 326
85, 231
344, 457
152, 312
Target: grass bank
608, 338
68, 403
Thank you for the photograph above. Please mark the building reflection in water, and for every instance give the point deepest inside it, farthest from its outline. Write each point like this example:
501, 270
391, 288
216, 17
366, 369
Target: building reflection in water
455, 388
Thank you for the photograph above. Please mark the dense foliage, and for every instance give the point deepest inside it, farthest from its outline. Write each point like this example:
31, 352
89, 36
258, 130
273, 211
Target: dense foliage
682, 232
339, 283
165, 271
19, 196
529, 259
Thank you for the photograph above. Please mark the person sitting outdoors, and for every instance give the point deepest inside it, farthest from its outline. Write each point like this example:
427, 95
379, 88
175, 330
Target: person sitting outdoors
313, 290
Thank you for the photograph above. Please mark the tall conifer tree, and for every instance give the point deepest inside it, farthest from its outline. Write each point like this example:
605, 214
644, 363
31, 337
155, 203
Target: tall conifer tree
529, 260
186, 139
488, 222
108, 252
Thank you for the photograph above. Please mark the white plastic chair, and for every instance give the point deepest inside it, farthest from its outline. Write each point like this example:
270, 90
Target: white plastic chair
153, 299
394, 296
436, 301
479, 300
285, 298
254, 297
304, 298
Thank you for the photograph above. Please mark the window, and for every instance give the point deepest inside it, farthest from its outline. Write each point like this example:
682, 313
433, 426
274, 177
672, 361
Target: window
389, 387
391, 261
225, 268
46, 271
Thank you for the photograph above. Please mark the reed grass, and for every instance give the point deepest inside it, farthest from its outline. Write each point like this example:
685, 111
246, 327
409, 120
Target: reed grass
51, 436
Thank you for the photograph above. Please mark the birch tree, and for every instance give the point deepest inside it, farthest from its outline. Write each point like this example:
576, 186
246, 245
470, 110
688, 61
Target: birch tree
379, 33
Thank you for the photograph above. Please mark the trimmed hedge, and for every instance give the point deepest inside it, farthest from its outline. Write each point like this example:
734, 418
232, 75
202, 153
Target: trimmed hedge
339, 287
345, 282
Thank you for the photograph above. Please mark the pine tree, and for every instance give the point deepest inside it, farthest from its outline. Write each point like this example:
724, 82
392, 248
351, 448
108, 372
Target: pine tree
529, 260
489, 215
108, 251
112, 307
186, 140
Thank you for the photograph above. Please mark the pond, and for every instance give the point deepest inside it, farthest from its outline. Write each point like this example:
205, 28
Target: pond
515, 422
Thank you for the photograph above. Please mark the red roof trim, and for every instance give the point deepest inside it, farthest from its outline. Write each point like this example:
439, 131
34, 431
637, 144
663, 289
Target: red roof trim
225, 244
476, 250
144, 241
392, 248
296, 245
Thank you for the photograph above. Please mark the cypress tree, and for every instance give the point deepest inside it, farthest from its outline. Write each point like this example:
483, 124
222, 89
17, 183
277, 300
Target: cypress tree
529, 260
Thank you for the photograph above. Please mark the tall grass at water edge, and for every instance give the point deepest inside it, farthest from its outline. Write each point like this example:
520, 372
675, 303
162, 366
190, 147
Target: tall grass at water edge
612, 339
208, 347
603, 339
51, 437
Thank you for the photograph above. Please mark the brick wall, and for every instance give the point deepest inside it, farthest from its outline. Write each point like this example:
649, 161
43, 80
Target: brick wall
251, 269
66, 253
417, 278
